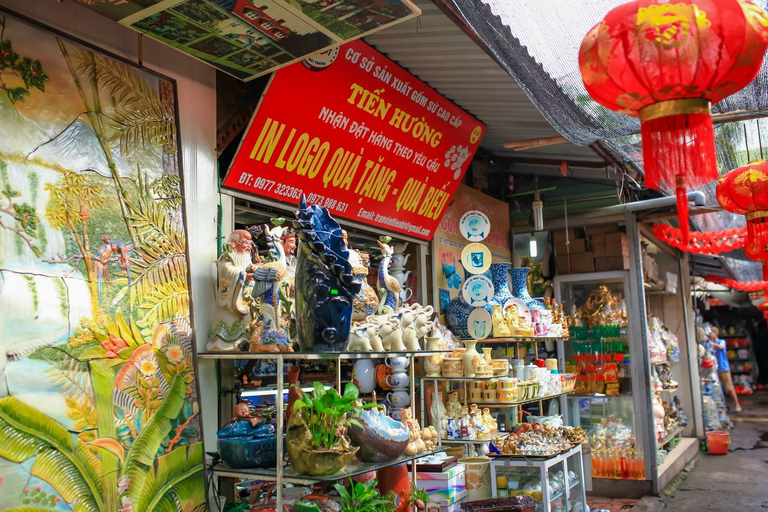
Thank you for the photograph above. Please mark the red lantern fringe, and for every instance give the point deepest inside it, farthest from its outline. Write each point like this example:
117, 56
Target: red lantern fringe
757, 236
711, 242
679, 145
679, 150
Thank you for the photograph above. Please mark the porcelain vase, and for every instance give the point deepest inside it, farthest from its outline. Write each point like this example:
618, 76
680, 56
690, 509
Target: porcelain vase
433, 364
500, 279
469, 357
520, 288
457, 314
487, 355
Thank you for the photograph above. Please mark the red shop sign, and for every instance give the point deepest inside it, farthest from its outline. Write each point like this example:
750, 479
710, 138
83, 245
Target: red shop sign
358, 134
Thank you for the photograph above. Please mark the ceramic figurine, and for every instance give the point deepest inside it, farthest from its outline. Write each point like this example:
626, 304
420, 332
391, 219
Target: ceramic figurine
423, 315
500, 326
452, 430
358, 338
325, 282
429, 436
367, 300
247, 442
272, 307
410, 337
477, 420
386, 282
490, 424
453, 407
381, 331
416, 444
231, 318
437, 410
466, 426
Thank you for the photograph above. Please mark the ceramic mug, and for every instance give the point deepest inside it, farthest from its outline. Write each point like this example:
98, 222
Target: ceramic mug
396, 414
398, 364
398, 380
399, 399
475, 394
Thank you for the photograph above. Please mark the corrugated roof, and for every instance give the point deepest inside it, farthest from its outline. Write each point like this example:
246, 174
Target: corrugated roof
439, 53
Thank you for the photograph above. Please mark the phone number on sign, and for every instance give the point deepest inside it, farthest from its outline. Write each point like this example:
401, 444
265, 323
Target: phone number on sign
290, 192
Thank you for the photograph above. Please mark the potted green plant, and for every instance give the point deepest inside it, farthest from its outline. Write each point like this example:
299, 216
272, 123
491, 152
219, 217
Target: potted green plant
316, 439
363, 497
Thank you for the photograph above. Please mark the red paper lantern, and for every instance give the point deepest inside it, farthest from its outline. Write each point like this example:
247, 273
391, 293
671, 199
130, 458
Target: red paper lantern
668, 63
745, 191
707, 242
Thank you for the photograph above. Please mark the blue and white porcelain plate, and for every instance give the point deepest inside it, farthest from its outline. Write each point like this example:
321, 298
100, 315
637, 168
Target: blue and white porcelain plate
476, 258
477, 291
474, 226
479, 324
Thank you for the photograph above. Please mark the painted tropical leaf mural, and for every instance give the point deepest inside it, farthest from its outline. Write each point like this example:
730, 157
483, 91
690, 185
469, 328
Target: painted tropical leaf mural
98, 399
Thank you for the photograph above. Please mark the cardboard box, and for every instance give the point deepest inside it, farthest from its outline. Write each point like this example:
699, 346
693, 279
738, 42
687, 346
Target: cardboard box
573, 234
575, 263
576, 246
615, 238
601, 228
452, 504
603, 250
452, 478
608, 263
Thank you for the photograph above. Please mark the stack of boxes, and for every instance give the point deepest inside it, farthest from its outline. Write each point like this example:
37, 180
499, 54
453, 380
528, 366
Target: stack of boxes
592, 249
447, 489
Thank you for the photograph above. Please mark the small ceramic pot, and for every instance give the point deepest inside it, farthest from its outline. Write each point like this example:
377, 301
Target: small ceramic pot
399, 399
518, 371
397, 363
398, 380
453, 366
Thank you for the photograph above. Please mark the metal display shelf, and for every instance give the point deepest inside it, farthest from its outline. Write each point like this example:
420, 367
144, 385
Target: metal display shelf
519, 339
315, 355
671, 435
354, 468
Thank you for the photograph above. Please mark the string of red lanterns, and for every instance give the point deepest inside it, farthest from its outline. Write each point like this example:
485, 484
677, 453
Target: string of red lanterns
707, 242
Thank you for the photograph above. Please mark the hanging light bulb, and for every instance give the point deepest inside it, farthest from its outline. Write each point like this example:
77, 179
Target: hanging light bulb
538, 213
534, 247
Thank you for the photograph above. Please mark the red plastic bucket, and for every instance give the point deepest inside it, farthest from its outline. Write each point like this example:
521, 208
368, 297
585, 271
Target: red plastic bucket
718, 442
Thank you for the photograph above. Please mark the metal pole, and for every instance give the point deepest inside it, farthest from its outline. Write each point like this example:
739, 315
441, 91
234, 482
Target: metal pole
279, 439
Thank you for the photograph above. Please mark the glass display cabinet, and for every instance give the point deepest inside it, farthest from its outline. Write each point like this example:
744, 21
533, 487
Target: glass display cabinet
606, 353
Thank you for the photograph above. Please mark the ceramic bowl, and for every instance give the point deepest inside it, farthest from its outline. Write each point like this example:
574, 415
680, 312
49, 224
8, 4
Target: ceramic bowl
382, 439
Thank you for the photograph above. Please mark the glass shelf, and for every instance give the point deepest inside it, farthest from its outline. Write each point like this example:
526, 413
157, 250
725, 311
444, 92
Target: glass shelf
354, 468
486, 439
518, 339
315, 355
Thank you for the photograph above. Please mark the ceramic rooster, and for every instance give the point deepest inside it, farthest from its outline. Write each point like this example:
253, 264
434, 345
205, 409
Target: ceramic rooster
387, 282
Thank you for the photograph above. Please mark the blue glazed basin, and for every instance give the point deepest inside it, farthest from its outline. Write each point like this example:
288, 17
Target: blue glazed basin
244, 446
382, 439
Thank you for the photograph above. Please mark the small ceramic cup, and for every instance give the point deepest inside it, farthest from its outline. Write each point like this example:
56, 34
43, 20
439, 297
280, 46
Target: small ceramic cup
398, 380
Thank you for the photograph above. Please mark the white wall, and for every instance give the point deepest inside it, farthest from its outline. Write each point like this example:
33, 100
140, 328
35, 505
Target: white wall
196, 89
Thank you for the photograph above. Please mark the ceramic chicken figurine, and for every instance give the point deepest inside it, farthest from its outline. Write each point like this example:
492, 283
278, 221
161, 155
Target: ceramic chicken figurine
387, 282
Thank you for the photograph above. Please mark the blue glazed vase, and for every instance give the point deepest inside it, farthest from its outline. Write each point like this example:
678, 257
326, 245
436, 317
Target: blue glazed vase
325, 282
520, 288
500, 279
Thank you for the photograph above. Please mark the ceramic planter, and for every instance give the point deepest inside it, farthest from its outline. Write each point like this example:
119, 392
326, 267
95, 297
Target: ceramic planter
242, 445
310, 461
